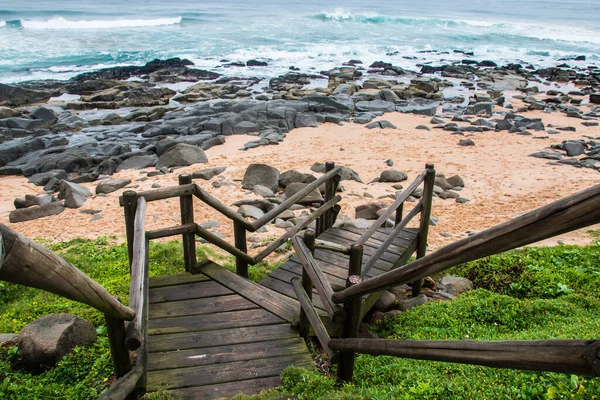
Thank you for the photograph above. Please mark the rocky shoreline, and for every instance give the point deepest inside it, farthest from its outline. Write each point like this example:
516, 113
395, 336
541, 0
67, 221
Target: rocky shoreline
128, 118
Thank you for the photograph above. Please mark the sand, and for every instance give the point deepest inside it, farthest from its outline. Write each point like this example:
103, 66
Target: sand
502, 181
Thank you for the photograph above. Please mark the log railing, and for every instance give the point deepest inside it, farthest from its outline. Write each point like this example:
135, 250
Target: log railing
324, 217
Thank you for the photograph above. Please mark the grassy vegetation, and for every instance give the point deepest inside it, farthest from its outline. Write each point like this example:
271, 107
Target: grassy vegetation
87, 372
534, 293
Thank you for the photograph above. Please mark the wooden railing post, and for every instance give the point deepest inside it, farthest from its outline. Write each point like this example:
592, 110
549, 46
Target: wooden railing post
324, 221
129, 208
187, 217
352, 310
309, 240
116, 338
399, 213
424, 224
239, 235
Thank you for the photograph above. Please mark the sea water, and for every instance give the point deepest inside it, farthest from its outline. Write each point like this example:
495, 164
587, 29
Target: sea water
57, 39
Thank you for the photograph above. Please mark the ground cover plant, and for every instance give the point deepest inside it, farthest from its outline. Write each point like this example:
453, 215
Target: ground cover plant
535, 293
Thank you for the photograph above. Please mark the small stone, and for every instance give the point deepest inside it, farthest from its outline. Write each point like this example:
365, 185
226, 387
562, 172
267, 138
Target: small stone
262, 191
408, 304
251, 211
456, 285
462, 200
466, 142
385, 302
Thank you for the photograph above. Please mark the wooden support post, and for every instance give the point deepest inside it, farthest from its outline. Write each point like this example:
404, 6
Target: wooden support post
239, 234
142, 353
424, 224
330, 189
187, 217
352, 309
116, 338
399, 212
129, 208
309, 240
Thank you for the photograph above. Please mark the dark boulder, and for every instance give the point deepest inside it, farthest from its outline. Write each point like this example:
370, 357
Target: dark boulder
35, 212
182, 155
111, 185
261, 174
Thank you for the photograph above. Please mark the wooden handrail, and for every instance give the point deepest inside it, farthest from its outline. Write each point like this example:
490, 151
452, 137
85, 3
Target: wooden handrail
293, 231
121, 389
400, 199
326, 245
313, 317
137, 287
567, 356
222, 208
31, 264
318, 279
163, 193
570, 213
391, 237
217, 241
292, 200
171, 231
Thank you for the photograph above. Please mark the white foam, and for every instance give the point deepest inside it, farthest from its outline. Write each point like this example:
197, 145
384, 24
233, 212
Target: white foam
61, 23
2, 23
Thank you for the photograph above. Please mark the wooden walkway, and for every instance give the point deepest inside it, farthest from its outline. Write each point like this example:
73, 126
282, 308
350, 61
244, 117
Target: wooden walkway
206, 341
335, 265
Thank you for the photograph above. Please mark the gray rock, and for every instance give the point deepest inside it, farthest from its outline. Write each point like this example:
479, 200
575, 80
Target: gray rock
138, 162
456, 285
45, 341
44, 114
409, 304
392, 175
574, 148
35, 212
305, 120
111, 185
375, 105
456, 181
43, 178
423, 127
466, 142
550, 155
245, 127
73, 194
261, 174
358, 223
443, 183
291, 176
385, 302
449, 195
208, 173
313, 197
251, 211
182, 155
8, 339
369, 211
462, 200
262, 191
31, 200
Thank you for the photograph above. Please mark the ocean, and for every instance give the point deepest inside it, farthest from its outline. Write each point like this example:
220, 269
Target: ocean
58, 39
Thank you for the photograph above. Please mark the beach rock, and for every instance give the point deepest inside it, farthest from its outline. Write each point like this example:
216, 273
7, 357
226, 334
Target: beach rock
392, 175
47, 340
550, 155
208, 173
359, 223
313, 197
375, 105
138, 162
466, 142
291, 176
182, 155
44, 114
456, 285
442, 183
385, 302
31, 213
261, 174
409, 304
31, 200
305, 120
8, 339
262, 191
369, 211
462, 200
456, 181
251, 211
380, 125
111, 185
574, 148
74, 195
42, 179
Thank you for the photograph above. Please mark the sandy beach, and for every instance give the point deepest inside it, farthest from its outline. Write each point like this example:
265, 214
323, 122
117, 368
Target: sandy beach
501, 180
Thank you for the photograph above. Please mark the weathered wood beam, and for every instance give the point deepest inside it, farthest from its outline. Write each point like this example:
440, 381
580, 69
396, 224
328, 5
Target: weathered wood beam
221, 243
186, 207
222, 208
292, 200
137, 286
116, 338
171, 231
31, 264
400, 199
312, 315
391, 237
293, 231
338, 248
122, 388
307, 285
318, 279
567, 356
426, 199
570, 213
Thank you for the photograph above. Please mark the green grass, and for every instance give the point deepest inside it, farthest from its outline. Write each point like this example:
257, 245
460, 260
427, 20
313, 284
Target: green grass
85, 373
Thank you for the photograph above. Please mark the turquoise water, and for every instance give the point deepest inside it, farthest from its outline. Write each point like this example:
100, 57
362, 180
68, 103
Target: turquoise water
58, 39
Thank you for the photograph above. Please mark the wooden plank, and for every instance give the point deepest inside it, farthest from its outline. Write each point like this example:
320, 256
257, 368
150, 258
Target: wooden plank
382, 233
124, 385
220, 337
221, 373
285, 289
225, 354
164, 193
231, 319
286, 271
207, 305
342, 261
348, 238
171, 231
225, 390
222, 208
195, 290
177, 279
281, 306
